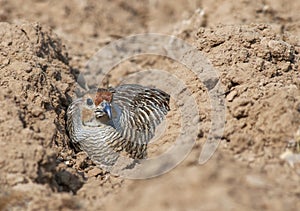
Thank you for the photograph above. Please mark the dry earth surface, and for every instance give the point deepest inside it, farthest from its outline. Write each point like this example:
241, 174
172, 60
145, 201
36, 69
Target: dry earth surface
253, 44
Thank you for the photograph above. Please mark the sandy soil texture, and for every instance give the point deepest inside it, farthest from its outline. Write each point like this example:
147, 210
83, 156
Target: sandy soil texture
255, 47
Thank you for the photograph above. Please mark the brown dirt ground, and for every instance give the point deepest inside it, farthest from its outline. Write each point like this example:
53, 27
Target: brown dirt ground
253, 44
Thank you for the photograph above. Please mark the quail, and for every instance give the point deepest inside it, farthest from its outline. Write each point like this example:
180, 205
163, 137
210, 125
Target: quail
108, 122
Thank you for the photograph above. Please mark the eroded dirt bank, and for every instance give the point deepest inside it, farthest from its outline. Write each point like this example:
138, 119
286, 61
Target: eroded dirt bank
259, 70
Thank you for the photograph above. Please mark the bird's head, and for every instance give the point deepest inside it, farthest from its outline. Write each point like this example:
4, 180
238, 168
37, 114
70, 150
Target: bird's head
96, 107
103, 100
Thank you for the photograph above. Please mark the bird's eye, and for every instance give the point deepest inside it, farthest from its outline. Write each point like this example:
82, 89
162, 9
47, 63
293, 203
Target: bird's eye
89, 102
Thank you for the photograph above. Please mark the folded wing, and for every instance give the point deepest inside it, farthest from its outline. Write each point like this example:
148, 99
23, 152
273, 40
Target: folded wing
140, 109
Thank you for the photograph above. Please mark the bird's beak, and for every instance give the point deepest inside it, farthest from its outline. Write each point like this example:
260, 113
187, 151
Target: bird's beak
107, 110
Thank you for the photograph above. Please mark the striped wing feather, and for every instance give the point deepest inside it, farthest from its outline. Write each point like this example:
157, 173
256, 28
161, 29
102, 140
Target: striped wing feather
141, 110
